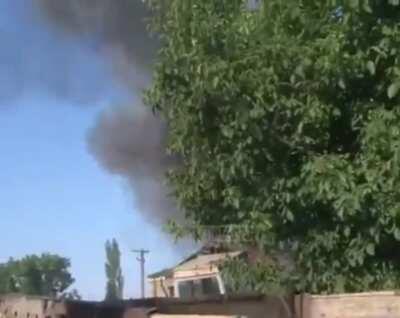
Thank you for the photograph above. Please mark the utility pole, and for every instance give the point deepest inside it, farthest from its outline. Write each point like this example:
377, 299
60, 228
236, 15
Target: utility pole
141, 259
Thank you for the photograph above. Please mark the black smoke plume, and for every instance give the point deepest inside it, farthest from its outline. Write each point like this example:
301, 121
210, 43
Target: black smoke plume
117, 29
128, 141
35, 59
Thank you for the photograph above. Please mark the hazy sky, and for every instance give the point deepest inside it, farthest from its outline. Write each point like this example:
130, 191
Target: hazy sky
53, 195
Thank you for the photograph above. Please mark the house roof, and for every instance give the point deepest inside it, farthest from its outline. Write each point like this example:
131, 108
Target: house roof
196, 261
201, 261
163, 273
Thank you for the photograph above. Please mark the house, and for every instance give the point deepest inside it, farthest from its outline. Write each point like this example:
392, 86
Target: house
198, 275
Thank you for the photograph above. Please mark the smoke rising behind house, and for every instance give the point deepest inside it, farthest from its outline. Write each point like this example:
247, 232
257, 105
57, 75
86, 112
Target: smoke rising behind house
85, 51
127, 140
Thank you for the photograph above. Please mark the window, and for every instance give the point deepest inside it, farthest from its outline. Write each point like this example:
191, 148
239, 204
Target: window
186, 289
171, 291
210, 286
199, 287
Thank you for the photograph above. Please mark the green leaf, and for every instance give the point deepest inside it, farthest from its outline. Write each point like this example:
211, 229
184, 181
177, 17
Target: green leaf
371, 67
397, 234
394, 2
227, 131
215, 82
342, 84
393, 90
370, 249
366, 6
290, 216
354, 4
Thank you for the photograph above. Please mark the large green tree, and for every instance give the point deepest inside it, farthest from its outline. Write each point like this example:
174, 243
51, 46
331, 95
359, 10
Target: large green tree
115, 279
44, 275
287, 122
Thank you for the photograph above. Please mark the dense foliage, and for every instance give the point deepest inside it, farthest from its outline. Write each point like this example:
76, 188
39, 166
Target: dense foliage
115, 280
238, 276
44, 275
287, 118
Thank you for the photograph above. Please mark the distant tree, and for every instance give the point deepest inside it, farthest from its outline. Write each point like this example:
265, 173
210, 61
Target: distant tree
115, 280
71, 295
44, 275
7, 279
30, 276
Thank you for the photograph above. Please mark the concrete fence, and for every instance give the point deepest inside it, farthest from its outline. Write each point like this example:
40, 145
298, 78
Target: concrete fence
362, 305
188, 316
249, 306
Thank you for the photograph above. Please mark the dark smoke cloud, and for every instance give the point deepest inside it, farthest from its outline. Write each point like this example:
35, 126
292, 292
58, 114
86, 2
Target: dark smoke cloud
138, 139
36, 60
116, 28
128, 141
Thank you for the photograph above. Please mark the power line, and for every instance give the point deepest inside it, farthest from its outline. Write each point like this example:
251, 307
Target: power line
141, 259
